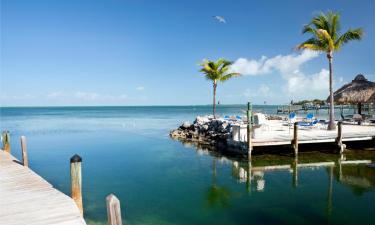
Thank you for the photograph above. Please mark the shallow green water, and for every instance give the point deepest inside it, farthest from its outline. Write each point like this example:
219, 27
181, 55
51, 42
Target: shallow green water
127, 151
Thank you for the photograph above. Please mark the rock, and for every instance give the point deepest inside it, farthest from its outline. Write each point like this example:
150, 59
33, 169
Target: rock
205, 130
204, 127
186, 125
201, 120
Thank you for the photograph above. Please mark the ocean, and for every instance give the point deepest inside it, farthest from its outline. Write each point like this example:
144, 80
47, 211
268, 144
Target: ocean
127, 151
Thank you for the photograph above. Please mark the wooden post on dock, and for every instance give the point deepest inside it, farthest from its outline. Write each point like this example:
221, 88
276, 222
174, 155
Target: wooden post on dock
330, 191
295, 171
248, 181
113, 210
295, 138
76, 181
339, 138
249, 121
6, 141
25, 159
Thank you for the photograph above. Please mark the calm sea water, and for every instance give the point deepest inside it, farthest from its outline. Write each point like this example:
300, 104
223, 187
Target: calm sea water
127, 151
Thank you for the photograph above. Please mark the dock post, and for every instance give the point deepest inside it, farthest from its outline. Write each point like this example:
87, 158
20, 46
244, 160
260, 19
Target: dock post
6, 141
330, 191
339, 138
25, 159
295, 171
295, 138
248, 181
76, 181
249, 121
113, 210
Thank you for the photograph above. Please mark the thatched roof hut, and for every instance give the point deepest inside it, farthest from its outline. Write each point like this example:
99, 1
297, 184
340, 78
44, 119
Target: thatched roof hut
359, 91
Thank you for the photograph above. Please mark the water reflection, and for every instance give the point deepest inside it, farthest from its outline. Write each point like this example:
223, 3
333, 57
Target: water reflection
217, 195
358, 174
354, 169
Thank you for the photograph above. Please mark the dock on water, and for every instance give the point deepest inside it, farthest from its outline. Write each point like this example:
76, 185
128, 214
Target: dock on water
26, 198
278, 134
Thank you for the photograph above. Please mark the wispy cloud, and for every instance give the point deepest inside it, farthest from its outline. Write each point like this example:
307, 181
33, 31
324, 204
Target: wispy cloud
140, 88
55, 94
87, 95
280, 63
297, 83
262, 91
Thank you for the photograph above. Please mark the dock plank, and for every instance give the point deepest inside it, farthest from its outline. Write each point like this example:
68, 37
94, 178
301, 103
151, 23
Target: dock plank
279, 135
26, 198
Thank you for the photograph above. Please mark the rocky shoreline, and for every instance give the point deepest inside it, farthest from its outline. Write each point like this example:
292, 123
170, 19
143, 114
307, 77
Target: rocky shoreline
212, 133
205, 130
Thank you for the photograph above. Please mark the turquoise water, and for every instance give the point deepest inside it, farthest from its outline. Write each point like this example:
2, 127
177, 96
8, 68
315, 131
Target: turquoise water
127, 151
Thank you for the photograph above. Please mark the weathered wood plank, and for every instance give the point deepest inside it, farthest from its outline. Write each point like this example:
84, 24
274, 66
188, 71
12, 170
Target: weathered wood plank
26, 198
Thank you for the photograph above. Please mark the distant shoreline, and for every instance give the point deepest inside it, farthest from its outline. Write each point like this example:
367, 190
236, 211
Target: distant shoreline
120, 106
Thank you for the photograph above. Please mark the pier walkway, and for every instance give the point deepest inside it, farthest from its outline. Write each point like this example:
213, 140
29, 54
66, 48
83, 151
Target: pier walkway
277, 136
275, 133
26, 198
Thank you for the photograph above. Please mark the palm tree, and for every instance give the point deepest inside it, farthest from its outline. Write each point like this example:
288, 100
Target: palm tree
325, 31
217, 72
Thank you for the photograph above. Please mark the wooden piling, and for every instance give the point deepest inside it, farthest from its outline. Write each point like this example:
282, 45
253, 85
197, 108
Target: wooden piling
248, 181
249, 121
76, 181
295, 138
6, 141
113, 210
339, 138
25, 159
295, 171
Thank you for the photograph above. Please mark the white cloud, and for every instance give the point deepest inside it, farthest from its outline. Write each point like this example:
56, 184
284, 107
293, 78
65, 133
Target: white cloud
297, 84
312, 86
280, 63
140, 88
23, 97
86, 95
55, 94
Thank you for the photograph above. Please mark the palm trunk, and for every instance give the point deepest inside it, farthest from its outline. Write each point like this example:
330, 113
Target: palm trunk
214, 100
331, 125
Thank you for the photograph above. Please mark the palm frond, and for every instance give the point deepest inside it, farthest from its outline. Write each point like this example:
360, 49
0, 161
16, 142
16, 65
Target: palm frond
309, 29
320, 21
311, 44
326, 38
335, 25
228, 76
350, 35
217, 71
325, 30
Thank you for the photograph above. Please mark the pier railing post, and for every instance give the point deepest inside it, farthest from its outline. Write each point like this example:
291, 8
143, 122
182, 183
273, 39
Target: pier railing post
25, 159
6, 141
113, 210
249, 121
339, 138
76, 181
295, 138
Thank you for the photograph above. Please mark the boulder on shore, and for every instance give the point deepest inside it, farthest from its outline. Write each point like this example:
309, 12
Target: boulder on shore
205, 129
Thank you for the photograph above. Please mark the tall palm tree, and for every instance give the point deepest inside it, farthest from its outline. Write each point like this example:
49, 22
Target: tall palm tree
326, 37
217, 72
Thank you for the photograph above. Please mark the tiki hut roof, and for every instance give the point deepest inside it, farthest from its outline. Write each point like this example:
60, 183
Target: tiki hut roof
360, 90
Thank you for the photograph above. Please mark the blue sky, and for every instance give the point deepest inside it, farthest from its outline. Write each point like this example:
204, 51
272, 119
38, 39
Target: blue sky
147, 52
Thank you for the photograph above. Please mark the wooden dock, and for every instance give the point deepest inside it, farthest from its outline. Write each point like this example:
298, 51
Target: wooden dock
284, 135
275, 133
26, 198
